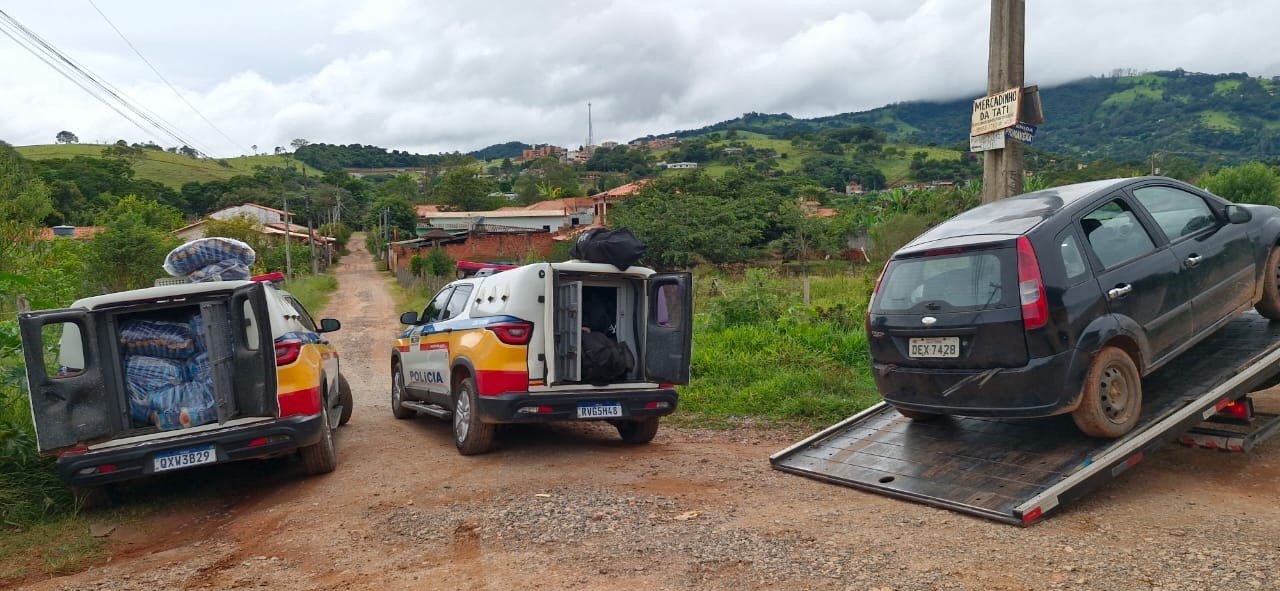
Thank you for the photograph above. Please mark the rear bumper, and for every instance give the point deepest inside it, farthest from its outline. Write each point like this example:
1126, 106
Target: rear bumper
1045, 386
230, 444
505, 408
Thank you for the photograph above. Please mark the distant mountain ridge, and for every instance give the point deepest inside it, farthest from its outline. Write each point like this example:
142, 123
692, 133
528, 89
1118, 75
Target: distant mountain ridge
1230, 117
1221, 117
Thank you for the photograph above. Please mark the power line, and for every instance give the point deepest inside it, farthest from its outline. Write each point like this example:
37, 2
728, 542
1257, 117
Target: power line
79, 74
235, 144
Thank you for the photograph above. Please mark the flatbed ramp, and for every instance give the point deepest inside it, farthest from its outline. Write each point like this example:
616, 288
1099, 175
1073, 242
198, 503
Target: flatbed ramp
1018, 471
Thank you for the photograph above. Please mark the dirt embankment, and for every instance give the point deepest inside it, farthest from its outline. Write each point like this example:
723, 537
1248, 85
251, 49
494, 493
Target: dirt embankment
571, 507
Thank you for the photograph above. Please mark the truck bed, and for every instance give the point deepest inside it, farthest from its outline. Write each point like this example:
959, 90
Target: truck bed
1017, 471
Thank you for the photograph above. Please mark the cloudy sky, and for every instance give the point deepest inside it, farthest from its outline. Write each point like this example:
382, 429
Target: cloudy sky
442, 76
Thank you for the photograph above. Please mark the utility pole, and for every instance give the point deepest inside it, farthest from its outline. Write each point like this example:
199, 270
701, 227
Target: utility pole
1002, 169
311, 237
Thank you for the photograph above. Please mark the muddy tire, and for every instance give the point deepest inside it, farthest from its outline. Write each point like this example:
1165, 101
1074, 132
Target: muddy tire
1269, 305
320, 457
397, 395
916, 415
345, 399
637, 432
1111, 398
469, 434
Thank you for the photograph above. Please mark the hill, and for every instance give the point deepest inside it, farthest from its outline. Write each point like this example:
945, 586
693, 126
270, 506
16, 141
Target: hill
1232, 117
172, 170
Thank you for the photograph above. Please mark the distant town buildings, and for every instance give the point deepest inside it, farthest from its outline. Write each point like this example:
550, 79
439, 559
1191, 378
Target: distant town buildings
681, 165
542, 151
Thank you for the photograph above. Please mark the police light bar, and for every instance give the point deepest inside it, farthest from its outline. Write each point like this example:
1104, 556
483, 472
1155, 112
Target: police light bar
268, 277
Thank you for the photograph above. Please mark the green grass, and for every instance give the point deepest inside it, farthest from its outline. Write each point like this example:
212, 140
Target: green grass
171, 169
760, 355
313, 291
899, 167
1130, 95
1225, 87
1219, 120
56, 547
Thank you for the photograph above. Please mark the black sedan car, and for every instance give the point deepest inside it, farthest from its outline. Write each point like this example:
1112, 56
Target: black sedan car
1059, 301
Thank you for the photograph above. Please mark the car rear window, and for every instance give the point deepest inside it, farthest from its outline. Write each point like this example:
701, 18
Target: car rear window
966, 281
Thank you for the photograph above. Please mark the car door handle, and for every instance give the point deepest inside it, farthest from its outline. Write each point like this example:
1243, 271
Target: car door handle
1192, 261
1119, 291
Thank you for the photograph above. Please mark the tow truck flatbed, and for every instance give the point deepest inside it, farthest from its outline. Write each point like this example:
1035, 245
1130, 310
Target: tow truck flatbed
1018, 471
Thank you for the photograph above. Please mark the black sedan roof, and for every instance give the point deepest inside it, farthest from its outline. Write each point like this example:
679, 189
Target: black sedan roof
1013, 216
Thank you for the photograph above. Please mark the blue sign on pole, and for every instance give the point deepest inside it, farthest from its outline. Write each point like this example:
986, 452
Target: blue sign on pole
1022, 132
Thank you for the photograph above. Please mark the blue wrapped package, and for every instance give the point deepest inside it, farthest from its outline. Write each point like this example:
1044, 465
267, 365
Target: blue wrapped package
198, 254
189, 404
145, 375
198, 333
199, 369
154, 338
221, 271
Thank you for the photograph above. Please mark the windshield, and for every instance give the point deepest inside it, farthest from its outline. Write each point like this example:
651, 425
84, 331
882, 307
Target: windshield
964, 281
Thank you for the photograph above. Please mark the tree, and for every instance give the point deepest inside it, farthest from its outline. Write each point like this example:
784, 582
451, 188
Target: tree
66, 137
299, 143
1254, 182
464, 189
130, 251
404, 219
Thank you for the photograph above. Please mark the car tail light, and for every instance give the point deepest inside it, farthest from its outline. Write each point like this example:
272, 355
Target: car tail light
1035, 307
300, 402
1241, 410
287, 351
513, 333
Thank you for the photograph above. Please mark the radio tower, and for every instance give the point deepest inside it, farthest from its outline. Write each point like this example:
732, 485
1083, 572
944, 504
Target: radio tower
591, 140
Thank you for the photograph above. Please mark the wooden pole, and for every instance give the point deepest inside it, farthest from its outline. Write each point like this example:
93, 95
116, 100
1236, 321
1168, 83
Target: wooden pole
1002, 169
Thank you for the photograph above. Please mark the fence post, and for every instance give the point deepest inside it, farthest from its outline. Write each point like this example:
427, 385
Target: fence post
804, 285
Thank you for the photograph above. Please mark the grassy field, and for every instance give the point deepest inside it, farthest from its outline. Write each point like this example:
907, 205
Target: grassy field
171, 169
313, 291
760, 355
1220, 120
1225, 87
899, 167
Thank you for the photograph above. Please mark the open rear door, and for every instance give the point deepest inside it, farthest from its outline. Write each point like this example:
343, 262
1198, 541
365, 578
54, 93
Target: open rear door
668, 327
568, 331
246, 358
70, 403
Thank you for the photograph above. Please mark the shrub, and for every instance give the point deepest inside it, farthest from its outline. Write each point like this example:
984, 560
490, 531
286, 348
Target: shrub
894, 232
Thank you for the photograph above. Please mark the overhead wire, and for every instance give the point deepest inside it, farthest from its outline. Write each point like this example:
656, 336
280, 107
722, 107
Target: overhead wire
71, 69
193, 108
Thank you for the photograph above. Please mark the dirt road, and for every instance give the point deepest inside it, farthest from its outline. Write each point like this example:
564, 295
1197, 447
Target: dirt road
570, 507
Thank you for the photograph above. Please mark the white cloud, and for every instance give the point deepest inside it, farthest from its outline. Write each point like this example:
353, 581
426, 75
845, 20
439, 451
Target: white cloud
445, 76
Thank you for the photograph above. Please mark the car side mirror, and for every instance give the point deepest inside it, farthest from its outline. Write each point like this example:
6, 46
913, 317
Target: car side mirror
410, 318
329, 325
1238, 215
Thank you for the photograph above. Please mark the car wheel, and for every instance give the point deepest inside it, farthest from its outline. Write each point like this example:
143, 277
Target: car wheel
1111, 398
1269, 305
469, 434
397, 395
916, 415
320, 457
345, 399
641, 431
